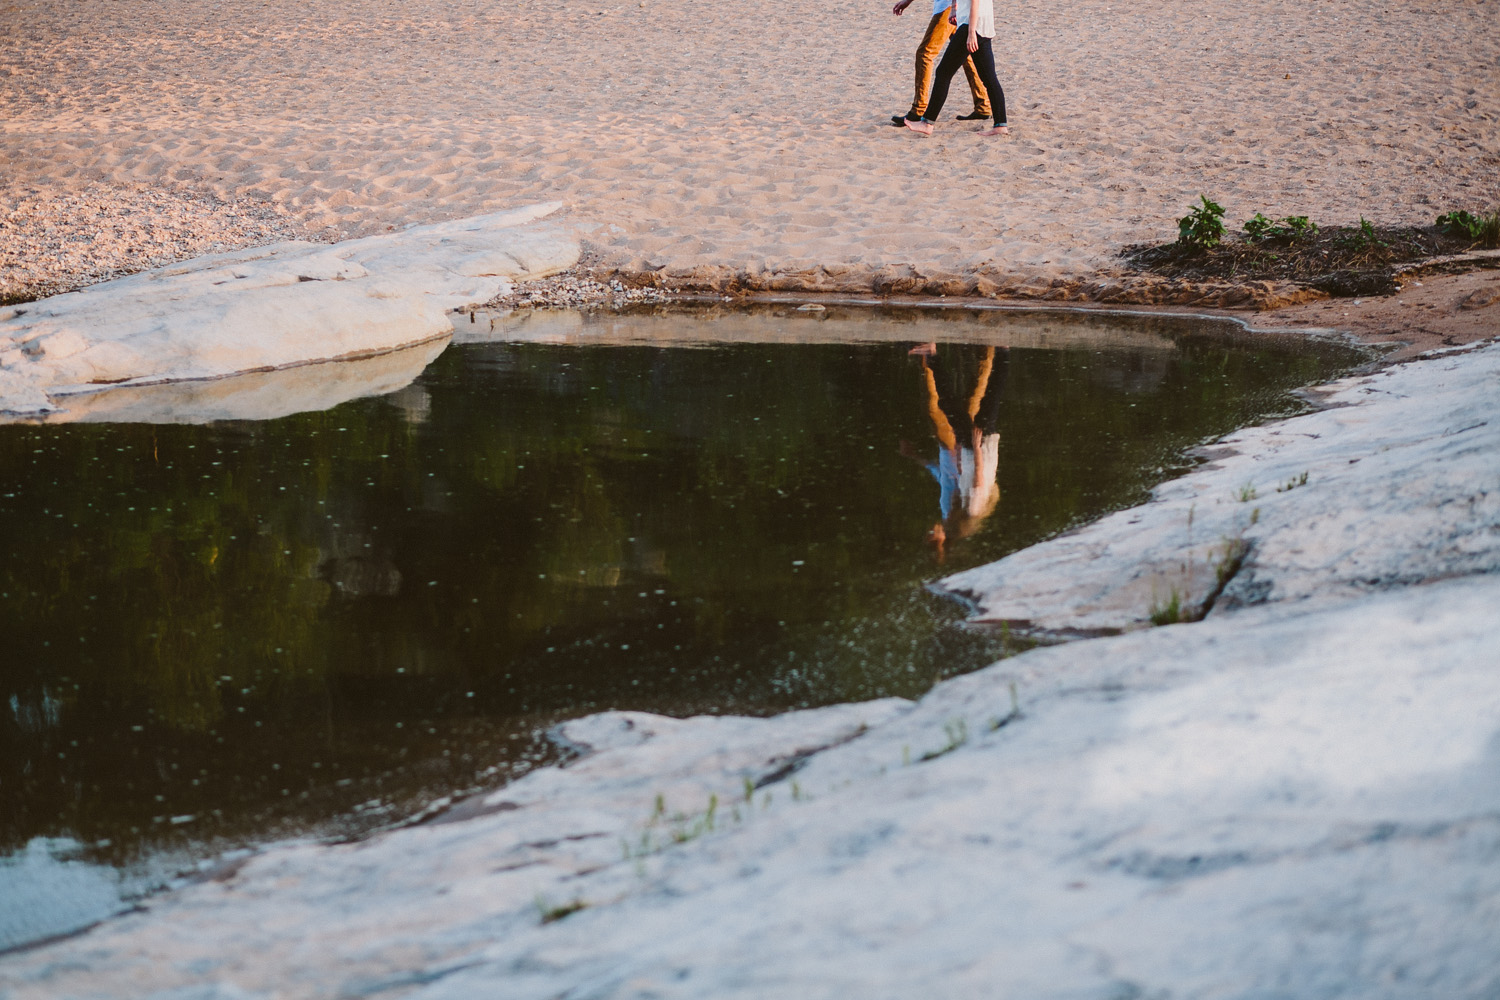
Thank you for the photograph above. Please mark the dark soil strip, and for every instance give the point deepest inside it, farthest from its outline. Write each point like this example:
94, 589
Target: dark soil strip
1342, 261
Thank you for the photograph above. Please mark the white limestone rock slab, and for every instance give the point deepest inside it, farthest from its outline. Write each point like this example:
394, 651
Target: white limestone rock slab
1408, 452
271, 307
467, 875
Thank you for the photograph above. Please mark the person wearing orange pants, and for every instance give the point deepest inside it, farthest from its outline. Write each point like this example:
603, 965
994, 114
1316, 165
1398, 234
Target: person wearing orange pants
928, 52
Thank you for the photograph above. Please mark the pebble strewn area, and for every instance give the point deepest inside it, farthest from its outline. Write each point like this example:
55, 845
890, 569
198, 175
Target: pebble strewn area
53, 241
572, 290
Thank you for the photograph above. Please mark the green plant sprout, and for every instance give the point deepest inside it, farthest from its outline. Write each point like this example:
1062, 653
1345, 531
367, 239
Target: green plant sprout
1012, 715
1483, 228
1203, 226
1287, 229
1292, 484
1231, 558
958, 734
1246, 493
552, 914
1460, 223
1366, 236
683, 827
1168, 613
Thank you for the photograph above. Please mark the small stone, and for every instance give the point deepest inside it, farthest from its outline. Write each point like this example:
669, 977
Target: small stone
1481, 297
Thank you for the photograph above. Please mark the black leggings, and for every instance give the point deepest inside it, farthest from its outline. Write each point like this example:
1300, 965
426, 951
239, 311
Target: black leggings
952, 62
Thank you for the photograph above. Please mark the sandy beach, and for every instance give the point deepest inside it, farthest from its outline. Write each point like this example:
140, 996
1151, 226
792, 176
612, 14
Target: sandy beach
695, 140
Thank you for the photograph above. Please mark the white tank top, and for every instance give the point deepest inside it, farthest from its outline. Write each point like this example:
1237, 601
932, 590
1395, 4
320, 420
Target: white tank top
983, 14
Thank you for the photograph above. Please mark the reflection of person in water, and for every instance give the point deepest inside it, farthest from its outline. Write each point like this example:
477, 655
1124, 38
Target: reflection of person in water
963, 383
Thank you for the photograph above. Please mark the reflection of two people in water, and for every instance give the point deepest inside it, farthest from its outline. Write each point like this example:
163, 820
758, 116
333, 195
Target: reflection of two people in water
963, 384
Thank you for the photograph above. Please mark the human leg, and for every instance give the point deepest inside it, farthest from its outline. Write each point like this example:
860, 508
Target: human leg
989, 390
942, 427
984, 63
978, 89
931, 47
956, 368
953, 58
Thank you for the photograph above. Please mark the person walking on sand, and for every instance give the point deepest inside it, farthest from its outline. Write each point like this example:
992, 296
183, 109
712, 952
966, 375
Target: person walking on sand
975, 27
938, 31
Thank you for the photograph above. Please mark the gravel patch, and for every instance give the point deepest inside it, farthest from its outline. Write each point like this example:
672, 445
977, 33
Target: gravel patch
58, 241
571, 289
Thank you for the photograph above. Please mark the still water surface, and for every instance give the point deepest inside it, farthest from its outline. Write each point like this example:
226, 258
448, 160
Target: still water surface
222, 632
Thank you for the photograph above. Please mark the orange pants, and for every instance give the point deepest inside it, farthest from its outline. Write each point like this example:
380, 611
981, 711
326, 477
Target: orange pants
928, 54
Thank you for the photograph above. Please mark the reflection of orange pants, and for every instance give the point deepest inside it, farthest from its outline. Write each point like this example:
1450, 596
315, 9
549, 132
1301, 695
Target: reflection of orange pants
928, 54
941, 425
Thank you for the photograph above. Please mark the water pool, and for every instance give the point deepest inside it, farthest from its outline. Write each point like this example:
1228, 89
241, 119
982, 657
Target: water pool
311, 601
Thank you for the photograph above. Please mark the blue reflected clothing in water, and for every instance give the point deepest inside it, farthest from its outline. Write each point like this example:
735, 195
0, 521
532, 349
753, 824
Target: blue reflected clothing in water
945, 471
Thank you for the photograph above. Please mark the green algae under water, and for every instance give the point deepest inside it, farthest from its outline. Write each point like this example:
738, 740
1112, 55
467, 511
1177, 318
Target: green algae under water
223, 632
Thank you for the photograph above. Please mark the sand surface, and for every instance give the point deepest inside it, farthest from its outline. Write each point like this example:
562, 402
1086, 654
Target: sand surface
747, 137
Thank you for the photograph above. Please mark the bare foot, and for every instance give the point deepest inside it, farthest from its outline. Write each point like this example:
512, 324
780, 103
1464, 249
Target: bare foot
924, 350
923, 127
997, 130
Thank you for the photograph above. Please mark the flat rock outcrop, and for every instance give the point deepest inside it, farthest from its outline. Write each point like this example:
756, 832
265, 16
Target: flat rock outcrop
287, 304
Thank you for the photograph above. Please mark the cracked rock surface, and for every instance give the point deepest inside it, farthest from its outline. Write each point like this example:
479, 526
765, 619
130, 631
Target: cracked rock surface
1296, 797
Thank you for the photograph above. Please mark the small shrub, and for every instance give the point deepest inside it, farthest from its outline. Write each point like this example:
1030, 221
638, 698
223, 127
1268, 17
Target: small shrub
1288, 229
1203, 226
1489, 233
1299, 226
1483, 229
1460, 223
1258, 228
